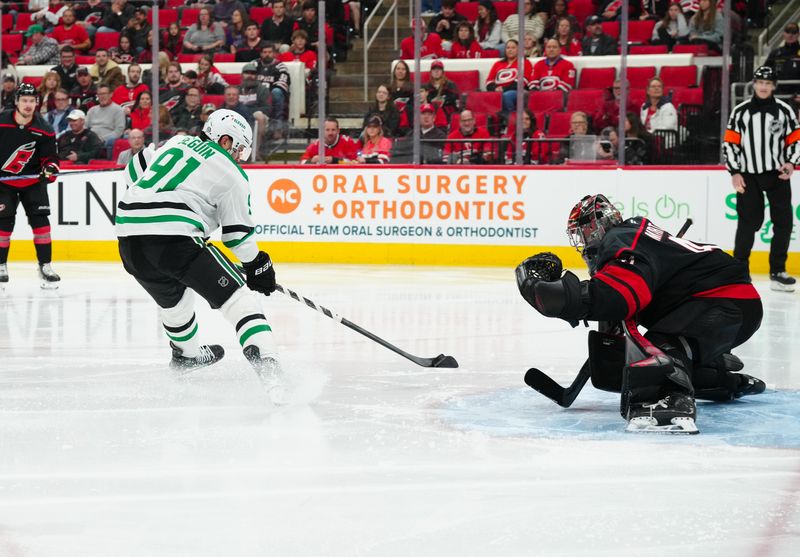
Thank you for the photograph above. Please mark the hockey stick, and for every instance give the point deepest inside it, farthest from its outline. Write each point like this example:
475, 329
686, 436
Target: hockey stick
439, 361
65, 173
564, 397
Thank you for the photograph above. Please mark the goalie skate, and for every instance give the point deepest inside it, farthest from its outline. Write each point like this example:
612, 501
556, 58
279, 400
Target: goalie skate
269, 372
47, 276
672, 414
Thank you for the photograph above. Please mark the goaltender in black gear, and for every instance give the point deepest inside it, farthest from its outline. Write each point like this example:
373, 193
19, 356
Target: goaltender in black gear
695, 300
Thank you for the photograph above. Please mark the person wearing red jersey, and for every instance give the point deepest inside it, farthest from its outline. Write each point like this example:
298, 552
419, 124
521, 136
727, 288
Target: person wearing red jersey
553, 72
298, 53
339, 149
465, 45
462, 149
503, 76
28, 147
70, 33
430, 46
125, 95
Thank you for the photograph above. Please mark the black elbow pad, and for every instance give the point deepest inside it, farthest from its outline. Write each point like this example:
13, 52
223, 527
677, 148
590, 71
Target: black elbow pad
566, 298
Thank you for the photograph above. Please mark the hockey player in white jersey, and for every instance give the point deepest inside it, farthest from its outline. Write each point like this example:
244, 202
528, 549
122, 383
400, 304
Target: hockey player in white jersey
177, 196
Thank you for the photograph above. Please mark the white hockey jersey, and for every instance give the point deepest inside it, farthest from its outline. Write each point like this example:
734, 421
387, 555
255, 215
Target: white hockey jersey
191, 188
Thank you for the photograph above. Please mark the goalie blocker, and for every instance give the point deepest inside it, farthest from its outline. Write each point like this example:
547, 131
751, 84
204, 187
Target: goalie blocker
696, 302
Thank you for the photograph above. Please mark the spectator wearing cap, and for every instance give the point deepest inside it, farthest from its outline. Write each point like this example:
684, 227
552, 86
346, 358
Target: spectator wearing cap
186, 115
373, 147
70, 33
205, 112
430, 136
135, 144
79, 144
339, 149
299, 53
431, 45
384, 108
445, 22
116, 16
461, 148
278, 29
125, 95
105, 71
84, 94
440, 91
255, 96
785, 59
533, 24
595, 42
57, 117
42, 50
8, 91
67, 68
107, 119
250, 48
553, 73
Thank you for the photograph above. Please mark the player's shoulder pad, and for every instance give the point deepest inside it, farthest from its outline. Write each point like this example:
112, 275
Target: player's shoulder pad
622, 237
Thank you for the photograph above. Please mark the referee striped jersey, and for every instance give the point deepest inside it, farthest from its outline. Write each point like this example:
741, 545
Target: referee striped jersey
762, 135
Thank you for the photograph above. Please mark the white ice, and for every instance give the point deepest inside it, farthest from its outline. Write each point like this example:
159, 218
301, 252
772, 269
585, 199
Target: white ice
104, 453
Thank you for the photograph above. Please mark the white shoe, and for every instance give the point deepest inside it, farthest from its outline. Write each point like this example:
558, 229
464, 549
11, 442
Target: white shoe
781, 282
49, 278
3, 273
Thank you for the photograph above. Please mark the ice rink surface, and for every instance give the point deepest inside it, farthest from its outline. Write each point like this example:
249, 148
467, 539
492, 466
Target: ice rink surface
104, 453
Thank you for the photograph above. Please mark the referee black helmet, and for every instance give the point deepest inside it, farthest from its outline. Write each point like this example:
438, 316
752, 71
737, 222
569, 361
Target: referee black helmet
766, 73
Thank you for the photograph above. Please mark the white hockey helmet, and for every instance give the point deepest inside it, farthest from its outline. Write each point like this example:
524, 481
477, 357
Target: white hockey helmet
227, 122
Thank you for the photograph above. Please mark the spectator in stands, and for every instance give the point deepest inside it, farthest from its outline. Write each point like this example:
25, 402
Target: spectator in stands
785, 59
553, 72
235, 31
570, 46
278, 29
445, 22
205, 35
430, 136
430, 44
209, 80
308, 23
532, 152
595, 42
384, 108
40, 12
105, 71
84, 94
126, 94
141, 113
124, 52
560, 10
70, 33
233, 102
107, 119
8, 92
256, 97
339, 149
707, 27
51, 82
608, 115
165, 126
534, 24
116, 16
440, 91
207, 109
138, 30
90, 13
373, 147
172, 43
163, 68
578, 123
460, 148
79, 144
223, 11
488, 27
41, 50
657, 113
135, 144
299, 53
672, 29
401, 86
189, 78
67, 69
250, 48
199, 4
275, 76
503, 76
531, 46
57, 118
187, 114
465, 45
638, 142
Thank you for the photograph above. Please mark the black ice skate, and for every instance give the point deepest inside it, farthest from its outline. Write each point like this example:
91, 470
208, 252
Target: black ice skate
48, 277
673, 414
781, 282
3, 276
269, 371
209, 354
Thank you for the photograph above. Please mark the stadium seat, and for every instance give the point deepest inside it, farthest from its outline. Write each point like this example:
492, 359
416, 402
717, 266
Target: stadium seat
34, 80
189, 16
504, 9
686, 95
260, 14
468, 10
233, 78
490, 52
649, 49
188, 58
12, 43
611, 28
640, 31
175, 3
483, 101
84, 60
119, 146
216, 100
559, 124
638, 76
696, 49
581, 9
6, 23
637, 96
468, 80
103, 163
586, 100
165, 17
546, 101
23, 21
105, 40
597, 78
678, 76
220, 57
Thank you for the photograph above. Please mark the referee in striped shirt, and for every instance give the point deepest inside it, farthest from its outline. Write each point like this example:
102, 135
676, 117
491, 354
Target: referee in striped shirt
762, 147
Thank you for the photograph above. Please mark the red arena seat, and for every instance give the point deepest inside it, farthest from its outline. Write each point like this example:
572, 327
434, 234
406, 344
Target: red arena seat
678, 76
611, 28
597, 78
504, 9
233, 78
637, 97
468, 80
175, 3
188, 58
6, 23
165, 17
546, 101
189, 16
559, 124
638, 76
586, 100
696, 49
216, 100
119, 146
12, 43
490, 52
686, 95
106, 40
23, 21
260, 14
84, 60
468, 10
483, 101
581, 9
649, 49
34, 80
220, 57
640, 31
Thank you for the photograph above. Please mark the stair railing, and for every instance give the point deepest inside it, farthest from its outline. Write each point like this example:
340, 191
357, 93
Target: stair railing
368, 41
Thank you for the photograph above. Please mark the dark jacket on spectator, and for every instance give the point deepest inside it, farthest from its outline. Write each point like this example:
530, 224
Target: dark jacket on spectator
118, 22
87, 146
281, 34
599, 46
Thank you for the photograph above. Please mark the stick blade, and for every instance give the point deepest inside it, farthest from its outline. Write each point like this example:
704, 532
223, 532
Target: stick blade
444, 361
542, 383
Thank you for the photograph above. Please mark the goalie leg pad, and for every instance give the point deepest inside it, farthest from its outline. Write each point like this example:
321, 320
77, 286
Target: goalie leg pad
607, 360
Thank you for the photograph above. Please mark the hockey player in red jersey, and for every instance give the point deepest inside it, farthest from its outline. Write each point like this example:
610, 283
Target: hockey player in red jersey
28, 147
695, 300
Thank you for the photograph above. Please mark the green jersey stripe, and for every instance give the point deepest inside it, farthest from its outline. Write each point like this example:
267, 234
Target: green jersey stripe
225, 265
159, 218
234, 243
132, 172
185, 337
253, 330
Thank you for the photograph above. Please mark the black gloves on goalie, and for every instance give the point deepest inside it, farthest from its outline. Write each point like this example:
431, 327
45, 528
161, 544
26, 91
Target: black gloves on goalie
542, 285
260, 274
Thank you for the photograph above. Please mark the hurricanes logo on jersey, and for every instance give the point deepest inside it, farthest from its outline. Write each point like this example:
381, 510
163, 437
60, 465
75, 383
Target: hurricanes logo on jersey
19, 158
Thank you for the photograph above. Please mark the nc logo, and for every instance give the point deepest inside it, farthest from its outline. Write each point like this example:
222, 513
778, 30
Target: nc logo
284, 196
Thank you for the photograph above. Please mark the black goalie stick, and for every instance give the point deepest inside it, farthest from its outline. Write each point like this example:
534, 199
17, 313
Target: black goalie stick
439, 361
565, 396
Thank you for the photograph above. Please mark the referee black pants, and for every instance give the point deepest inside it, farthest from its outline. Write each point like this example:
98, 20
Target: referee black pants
750, 210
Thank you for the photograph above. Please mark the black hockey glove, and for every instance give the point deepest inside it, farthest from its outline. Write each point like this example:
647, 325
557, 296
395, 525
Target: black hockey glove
48, 170
542, 266
260, 274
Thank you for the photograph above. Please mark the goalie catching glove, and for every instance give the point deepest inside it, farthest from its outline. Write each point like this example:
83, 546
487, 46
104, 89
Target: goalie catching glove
541, 284
260, 274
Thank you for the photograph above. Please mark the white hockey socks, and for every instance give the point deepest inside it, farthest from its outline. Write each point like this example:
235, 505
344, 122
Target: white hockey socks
180, 324
244, 312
